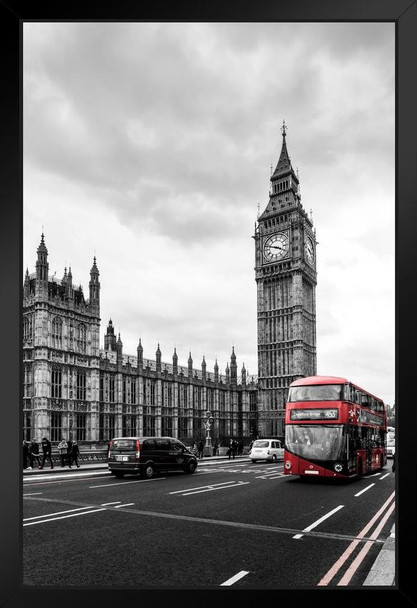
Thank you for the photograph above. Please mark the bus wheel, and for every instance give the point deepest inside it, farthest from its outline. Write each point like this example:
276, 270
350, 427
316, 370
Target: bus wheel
360, 468
119, 474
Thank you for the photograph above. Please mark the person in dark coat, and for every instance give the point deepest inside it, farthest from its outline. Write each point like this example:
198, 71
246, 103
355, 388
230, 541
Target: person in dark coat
69, 453
393, 463
75, 453
200, 449
34, 453
25, 454
47, 452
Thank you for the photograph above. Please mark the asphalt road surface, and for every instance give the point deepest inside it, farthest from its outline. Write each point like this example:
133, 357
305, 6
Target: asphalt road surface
232, 524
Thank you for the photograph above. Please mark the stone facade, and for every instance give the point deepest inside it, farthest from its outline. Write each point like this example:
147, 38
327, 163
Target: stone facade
74, 388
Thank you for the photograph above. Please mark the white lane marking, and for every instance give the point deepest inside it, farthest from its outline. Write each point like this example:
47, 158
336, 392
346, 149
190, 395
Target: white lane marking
121, 483
383, 477
54, 476
234, 578
32, 494
107, 504
43, 521
128, 504
202, 487
316, 523
58, 513
212, 489
365, 489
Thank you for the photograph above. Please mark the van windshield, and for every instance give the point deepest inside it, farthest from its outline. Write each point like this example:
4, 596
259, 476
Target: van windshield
124, 445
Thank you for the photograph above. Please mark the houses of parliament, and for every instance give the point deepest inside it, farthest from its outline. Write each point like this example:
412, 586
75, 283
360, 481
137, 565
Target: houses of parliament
73, 387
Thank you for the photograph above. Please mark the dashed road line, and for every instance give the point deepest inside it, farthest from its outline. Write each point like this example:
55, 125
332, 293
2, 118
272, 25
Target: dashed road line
316, 523
364, 490
235, 578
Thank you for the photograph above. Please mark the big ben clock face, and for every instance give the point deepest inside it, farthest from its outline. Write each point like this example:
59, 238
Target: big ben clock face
276, 247
309, 249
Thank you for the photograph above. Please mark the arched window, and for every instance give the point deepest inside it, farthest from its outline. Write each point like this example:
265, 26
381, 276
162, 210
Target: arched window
56, 332
81, 338
27, 328
56, 384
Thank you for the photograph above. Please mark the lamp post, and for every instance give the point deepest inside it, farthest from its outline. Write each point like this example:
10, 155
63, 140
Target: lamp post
207, 424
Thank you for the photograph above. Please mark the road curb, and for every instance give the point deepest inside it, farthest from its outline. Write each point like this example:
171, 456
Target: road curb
382, 573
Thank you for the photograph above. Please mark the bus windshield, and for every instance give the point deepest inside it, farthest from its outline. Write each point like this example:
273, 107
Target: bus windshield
324, 442
317, 392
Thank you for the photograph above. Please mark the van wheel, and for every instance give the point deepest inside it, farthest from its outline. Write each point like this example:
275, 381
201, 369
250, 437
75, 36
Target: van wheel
148, 471
119, 474
254, 461
274, 458
191, 467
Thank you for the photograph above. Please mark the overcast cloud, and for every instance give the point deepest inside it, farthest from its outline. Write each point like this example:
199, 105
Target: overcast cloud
150, 145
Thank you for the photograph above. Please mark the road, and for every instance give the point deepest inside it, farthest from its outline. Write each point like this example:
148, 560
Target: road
232, 523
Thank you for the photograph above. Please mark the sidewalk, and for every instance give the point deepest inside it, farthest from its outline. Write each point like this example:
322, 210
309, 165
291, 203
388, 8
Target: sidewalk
382, 573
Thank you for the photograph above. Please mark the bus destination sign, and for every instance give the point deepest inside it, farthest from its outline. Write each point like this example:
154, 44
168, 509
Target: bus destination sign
314, 414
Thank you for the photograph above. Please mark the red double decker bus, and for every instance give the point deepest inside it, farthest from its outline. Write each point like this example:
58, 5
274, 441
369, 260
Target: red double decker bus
333, 428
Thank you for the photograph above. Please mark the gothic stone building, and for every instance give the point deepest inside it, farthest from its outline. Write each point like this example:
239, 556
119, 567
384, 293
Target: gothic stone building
74, 388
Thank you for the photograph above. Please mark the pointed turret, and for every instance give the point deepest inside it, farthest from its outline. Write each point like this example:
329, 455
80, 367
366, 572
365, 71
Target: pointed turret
216, 372
110, 338
284, 190
94, 286
233, 367
140, 355
204, 368
26, 284
158, 359
190, 366
175, 362
243, 375
42, 268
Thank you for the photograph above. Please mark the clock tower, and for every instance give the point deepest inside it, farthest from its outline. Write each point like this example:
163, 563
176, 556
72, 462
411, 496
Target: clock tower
286, 278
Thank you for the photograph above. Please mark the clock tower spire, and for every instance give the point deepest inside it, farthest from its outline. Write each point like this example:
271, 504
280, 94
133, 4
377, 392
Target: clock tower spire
286, 277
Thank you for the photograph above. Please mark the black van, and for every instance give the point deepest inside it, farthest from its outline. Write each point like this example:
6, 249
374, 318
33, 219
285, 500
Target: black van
149, 455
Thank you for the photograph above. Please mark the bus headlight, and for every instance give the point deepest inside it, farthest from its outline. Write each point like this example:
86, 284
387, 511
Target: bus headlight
338, 467
287, 464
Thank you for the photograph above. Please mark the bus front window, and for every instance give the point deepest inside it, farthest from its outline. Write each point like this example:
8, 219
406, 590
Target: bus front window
318, 392
323, 442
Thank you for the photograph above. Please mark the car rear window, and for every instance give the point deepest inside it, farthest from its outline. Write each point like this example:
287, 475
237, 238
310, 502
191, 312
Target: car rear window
124, 445
261, 444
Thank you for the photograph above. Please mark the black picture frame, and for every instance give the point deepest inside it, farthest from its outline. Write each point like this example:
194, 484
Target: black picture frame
12, 16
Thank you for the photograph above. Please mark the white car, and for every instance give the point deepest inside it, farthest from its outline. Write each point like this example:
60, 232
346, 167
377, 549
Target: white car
390, 449
267, 449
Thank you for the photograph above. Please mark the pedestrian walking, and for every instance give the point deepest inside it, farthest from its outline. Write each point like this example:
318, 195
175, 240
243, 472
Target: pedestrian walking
69, 453
26, 454
200, 449
240, 448
393, 463
215, 446
75, 453
234, 448
230, 452
47, 452
62, 449
34, 453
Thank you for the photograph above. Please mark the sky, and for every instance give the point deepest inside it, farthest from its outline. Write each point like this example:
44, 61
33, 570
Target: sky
150, 146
